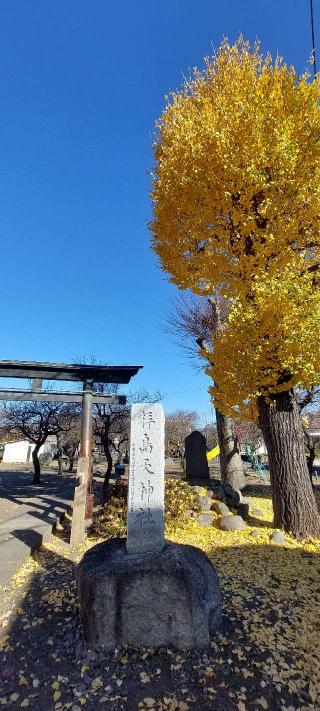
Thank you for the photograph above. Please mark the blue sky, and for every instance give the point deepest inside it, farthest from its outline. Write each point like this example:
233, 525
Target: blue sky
82, 85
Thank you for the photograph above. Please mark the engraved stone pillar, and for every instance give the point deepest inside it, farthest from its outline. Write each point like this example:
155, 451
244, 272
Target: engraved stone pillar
146, 479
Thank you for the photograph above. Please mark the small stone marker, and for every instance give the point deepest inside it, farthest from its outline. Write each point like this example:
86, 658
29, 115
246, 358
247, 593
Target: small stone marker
256, 534
146, 479
278, 538
196, 456
232, 523
221, 508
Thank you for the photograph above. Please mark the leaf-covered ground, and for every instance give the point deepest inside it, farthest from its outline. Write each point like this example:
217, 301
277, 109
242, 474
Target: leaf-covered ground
266, 655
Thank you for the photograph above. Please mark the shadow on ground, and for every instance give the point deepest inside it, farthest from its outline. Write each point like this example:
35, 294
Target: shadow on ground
264, 490
269, 597
53, 497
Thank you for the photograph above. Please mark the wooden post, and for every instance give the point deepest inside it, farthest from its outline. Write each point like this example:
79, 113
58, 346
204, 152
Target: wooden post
83, 468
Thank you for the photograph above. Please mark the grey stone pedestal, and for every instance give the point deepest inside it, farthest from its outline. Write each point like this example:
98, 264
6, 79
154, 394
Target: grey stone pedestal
171, 597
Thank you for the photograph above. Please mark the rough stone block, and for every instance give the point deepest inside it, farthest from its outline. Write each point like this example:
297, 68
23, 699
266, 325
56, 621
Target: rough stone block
243, 510
214, 483
233, 495
205, 503
218, 493
278, 538
221, 508
204, 519
257, 513
256, 534
232, 523
171, 597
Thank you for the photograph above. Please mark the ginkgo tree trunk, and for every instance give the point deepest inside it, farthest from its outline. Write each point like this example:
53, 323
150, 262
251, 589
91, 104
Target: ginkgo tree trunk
294, 505
236, 207
230, 460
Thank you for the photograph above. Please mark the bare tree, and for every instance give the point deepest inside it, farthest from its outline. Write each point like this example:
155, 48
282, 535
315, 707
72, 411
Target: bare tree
69, 441
311, 431
111, 422
37, 421
210, 433
70, 435
59, 453
309, 404
308, 400
178, 426
199, 320
248, 432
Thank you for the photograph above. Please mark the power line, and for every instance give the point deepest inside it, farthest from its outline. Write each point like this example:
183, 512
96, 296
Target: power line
313, 39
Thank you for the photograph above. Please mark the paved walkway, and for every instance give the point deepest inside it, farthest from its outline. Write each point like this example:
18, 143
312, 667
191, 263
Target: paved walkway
28, 514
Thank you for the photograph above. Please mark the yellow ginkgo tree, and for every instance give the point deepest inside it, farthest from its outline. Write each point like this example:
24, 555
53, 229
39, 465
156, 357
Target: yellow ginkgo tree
236, 200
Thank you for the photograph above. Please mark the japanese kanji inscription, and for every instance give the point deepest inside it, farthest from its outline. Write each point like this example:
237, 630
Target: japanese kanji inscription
146, 479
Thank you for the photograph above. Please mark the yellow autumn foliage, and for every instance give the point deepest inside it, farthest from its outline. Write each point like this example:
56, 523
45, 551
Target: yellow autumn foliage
236, 200
272, 343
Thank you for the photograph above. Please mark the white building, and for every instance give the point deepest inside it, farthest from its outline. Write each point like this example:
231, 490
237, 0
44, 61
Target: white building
21, 452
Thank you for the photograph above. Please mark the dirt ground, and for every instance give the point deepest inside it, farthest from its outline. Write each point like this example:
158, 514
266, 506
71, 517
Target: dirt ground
265, 656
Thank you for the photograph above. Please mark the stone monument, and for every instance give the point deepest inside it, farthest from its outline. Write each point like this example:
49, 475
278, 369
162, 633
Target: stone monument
146, 480
142, 590
196, 457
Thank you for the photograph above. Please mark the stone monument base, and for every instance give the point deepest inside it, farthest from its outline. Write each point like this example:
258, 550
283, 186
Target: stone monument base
148, 599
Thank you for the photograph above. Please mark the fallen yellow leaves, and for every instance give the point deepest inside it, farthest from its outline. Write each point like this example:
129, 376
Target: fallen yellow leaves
270, 602
167, 704
145, 678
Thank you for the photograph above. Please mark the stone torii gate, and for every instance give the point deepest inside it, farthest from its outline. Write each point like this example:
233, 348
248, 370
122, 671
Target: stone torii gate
88, 375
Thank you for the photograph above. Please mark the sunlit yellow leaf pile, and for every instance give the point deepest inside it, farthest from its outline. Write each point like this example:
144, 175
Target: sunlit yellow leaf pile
111, 519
